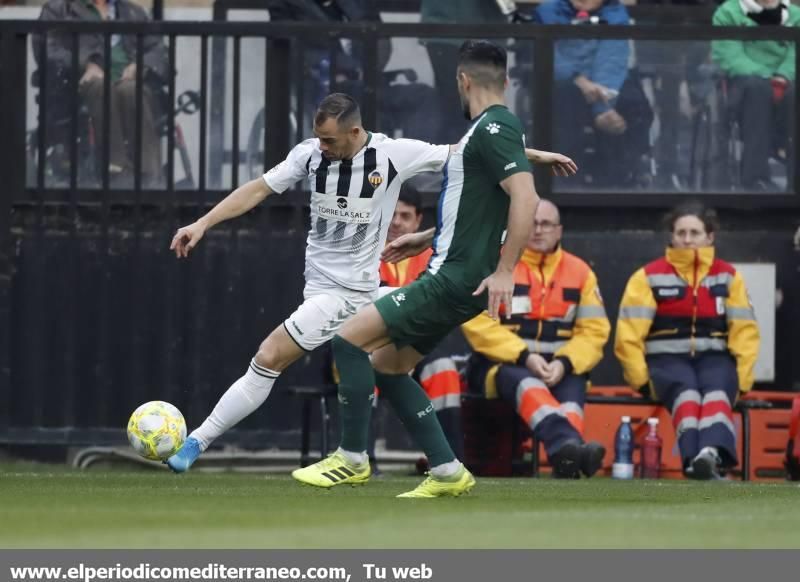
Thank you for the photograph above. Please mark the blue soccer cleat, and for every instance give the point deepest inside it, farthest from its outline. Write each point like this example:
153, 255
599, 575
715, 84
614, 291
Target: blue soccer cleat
185, 457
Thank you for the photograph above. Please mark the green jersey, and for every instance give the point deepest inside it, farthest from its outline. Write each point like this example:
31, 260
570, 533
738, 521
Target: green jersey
472, 211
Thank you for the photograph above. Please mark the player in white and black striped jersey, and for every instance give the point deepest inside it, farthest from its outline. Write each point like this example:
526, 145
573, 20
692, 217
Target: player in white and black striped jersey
354, 178
352, 200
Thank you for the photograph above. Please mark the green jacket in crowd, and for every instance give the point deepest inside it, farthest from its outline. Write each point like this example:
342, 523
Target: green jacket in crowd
461, 11
761, 58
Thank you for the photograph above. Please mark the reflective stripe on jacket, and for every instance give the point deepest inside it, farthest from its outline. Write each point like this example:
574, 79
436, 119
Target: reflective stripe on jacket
557, 312
687, 302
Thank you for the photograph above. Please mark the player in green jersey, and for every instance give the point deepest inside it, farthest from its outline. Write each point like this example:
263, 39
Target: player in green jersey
487, 189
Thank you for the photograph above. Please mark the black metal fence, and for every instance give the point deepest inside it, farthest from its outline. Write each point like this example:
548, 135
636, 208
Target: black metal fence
96, 316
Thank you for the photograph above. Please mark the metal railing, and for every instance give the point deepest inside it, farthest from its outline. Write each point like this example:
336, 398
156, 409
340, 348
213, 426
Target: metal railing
137, 212
283, 44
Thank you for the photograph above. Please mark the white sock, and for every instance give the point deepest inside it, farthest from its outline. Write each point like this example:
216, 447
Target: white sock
713, 450
239, 401
446, 469
353, 457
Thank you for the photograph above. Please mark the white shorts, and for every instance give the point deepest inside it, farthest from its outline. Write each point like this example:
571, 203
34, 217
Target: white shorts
326, 307
383, 291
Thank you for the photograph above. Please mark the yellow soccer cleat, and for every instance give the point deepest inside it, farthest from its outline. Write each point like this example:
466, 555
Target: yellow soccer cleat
460, 483
333, 470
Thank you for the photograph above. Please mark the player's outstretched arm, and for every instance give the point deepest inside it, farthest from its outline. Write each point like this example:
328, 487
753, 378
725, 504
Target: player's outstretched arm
244, 198
560, 164
524, 199
408, 245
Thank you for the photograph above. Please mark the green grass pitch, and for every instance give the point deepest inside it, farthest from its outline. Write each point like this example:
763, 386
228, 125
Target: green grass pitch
45, 507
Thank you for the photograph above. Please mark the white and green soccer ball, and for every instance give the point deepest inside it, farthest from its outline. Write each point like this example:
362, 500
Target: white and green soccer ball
156, 430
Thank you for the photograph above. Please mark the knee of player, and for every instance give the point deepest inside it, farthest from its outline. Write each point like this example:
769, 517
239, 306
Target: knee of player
391, 368
270, 356
388, 362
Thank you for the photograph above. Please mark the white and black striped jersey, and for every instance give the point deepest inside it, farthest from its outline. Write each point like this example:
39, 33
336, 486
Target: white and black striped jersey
352, 201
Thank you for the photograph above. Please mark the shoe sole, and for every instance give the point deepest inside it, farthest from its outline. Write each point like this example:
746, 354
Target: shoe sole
465, 491
178, 470
327, 485
468, 489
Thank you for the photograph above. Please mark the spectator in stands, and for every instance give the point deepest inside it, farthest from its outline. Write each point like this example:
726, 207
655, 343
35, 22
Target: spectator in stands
348, 74
404, 104
436, 374
760, 84
443, 53
687, 335
539, 359
593, 88
122, 67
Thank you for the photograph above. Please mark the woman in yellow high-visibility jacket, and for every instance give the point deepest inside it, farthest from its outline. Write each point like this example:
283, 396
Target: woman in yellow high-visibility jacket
687, 333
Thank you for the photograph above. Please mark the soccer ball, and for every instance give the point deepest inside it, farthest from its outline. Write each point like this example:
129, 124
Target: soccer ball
156, 430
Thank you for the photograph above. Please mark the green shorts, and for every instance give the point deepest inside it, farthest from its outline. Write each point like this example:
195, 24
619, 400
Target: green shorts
421, 314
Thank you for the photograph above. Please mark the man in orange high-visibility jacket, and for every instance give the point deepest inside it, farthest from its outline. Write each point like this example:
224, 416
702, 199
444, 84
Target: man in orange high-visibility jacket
539, 358
687, 333
436, 374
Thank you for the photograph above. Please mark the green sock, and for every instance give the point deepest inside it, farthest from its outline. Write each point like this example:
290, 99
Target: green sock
356, 390
415, 410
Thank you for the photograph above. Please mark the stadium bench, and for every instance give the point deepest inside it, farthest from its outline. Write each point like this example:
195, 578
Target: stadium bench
495, 436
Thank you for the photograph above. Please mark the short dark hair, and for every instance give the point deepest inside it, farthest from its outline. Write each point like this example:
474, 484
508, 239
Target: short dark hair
485, 62
339, 106
411, 196
706, 215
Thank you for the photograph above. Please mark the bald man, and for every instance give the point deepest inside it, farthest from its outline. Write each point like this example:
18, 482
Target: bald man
539, 358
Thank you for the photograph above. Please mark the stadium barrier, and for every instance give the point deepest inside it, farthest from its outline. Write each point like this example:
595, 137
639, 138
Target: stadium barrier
96, 318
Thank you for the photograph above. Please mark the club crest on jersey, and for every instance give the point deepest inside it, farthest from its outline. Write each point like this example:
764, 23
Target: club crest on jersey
398, 298
375, 179
341, 202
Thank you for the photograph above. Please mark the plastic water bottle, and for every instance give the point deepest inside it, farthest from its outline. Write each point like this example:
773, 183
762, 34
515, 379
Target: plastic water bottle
651, 451
623, 451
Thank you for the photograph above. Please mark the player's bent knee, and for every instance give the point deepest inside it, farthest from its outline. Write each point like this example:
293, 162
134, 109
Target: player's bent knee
277, 352
391, 362
268, 358
391, 369
365, 330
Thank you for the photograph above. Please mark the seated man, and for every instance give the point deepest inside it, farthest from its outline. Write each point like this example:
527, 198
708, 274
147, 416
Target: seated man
437, 375
760, 76
593, 88
91, 61
539, 358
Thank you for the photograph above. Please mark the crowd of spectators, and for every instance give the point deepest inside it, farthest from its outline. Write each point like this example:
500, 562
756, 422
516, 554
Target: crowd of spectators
628, 112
